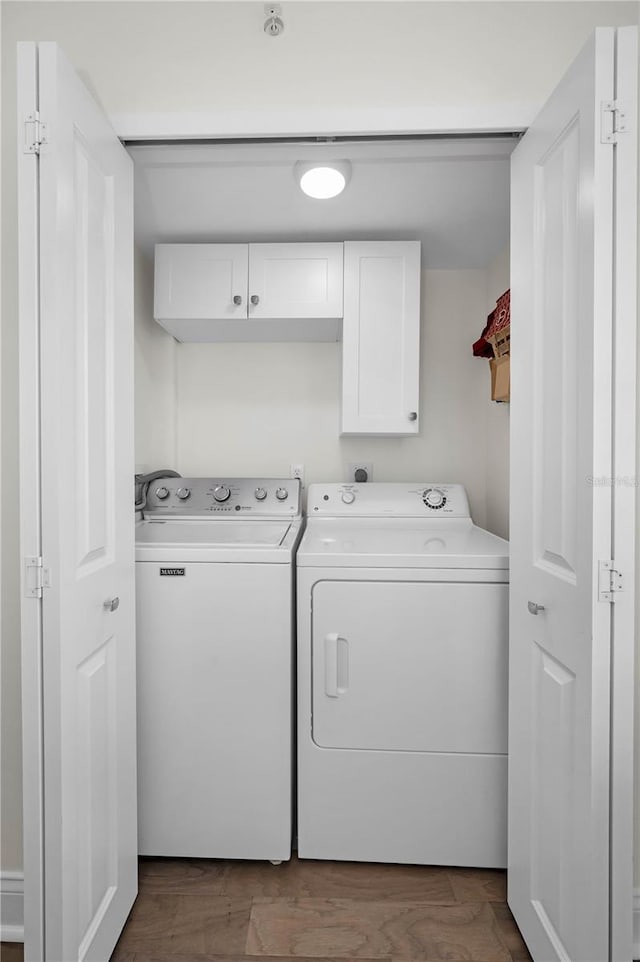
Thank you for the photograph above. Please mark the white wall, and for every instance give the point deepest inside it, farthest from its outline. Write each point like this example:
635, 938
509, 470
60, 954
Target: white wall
497, 438
200, 56
155, 381
254, 409
203, 56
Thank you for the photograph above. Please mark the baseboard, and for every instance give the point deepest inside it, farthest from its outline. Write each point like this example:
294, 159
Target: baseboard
636, 924
11, 906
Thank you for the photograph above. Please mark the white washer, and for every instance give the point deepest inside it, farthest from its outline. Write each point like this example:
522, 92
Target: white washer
402, 678
215, 611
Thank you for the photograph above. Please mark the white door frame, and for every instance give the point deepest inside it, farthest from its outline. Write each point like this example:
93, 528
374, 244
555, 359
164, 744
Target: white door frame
319, 122
625, 519
505, 118
354, 122
492, 118
30, 509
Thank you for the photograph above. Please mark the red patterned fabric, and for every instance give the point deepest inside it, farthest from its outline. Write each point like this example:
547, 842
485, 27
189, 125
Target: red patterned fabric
499, 318
482, 348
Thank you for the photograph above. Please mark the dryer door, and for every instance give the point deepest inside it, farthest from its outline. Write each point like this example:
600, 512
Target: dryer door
410, 666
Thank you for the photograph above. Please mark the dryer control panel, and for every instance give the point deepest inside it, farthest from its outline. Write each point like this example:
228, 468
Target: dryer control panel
187, 498
392, 499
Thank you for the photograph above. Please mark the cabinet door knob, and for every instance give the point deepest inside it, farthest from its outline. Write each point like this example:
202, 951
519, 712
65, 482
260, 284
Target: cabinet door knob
237, 299
111, 604
413, 416
534, 609
255, 299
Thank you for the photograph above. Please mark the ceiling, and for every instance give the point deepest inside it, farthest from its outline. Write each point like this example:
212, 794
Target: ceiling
453, 195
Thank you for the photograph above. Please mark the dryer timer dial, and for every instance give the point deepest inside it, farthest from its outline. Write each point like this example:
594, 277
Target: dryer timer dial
434, 498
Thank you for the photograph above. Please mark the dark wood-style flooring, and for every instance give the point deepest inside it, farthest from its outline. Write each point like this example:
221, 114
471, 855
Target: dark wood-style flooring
192, 910
11, 952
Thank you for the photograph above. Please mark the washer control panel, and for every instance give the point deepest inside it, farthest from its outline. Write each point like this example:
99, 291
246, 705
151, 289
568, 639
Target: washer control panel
393, 499
223, 497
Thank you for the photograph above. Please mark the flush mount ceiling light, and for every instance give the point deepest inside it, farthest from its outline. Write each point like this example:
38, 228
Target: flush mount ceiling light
323, 181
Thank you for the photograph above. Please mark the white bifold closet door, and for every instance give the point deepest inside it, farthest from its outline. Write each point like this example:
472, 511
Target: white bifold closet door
77, 248
573, 335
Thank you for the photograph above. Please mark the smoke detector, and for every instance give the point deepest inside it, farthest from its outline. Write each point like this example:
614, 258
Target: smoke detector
273, 25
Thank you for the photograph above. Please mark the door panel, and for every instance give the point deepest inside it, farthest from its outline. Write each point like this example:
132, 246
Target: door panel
559, 677
381, 292
94, 264
86, 363
97, 798
553, 788
410, 667
556, 199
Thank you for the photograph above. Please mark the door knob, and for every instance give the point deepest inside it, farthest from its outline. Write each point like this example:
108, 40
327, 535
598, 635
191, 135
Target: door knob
534, 609
413, 416
255, 299
237, 299
111, 604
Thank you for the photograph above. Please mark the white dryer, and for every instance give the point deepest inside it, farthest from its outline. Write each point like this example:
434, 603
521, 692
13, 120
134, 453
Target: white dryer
402, 678
215, 614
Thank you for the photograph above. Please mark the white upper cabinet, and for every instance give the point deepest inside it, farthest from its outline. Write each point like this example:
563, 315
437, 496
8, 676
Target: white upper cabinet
200, 281
249, 292
381, 338
295, 280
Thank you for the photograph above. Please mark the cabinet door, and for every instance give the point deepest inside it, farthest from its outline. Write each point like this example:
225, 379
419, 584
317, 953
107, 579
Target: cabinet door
200, 281
295, 280
381, 338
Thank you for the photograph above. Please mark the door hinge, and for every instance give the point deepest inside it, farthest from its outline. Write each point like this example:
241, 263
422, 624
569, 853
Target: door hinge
35, 133
36, 577
614, 120
610, 581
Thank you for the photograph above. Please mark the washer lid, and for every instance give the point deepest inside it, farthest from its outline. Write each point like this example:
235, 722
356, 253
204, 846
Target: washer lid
211, 534
401, 543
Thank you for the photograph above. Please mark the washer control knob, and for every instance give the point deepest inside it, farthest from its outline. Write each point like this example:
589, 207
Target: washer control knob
434, 498
260, 494
282, 494
162, 493
183, 493
221, 492
348, 497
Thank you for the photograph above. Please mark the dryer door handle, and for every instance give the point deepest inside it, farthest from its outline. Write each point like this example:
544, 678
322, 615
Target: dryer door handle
336, 665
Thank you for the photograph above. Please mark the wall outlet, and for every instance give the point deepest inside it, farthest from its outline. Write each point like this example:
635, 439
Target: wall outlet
359, 466
274, 24
297, 471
